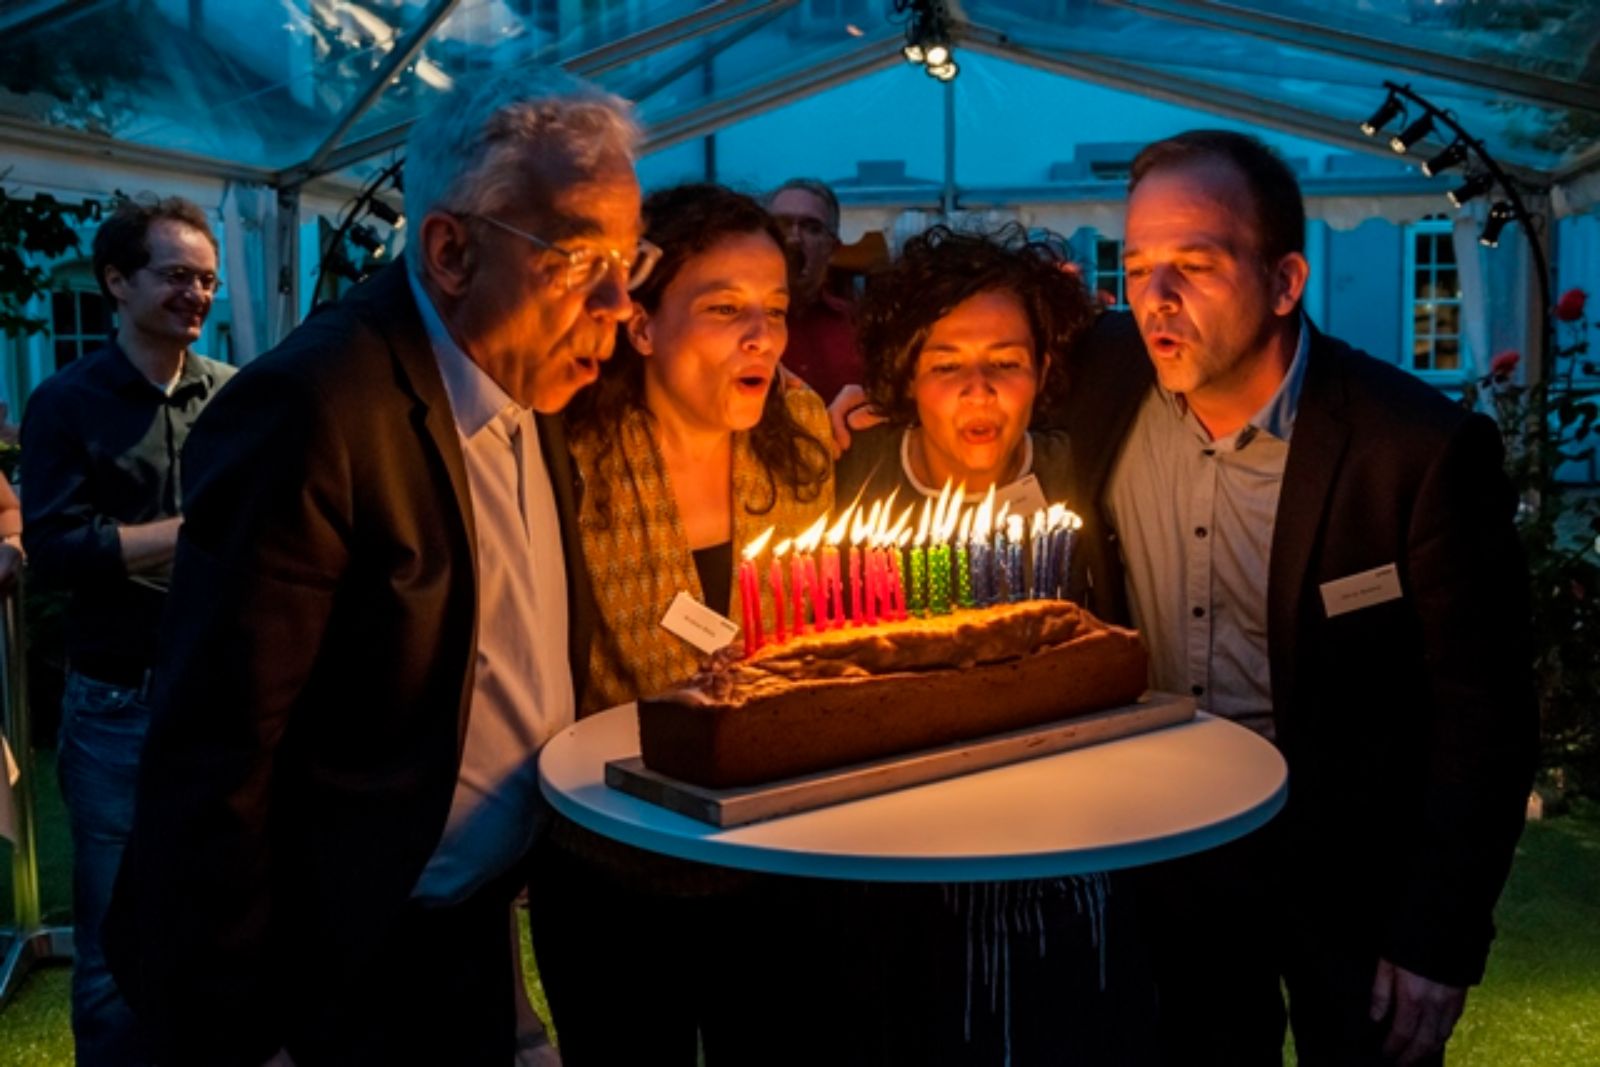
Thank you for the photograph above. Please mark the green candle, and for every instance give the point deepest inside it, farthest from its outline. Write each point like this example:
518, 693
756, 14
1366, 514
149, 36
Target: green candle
963, 576
917, 591
939, 580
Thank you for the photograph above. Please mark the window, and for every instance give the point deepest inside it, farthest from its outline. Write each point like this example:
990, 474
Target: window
80, 321
1432, 310
1108, 276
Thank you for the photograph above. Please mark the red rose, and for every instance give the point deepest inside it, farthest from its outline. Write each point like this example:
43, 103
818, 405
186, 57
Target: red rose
1570, 307
1504, 365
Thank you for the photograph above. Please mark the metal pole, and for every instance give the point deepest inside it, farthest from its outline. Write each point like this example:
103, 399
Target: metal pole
29, 943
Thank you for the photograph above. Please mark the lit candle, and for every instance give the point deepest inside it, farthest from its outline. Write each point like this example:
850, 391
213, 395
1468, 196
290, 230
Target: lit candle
1073, 523
859, 530
917, 599
803, 571
890, 538
946, 515
964, 561
897, 577
1014, 557
775, 579
1037, 536
833, 587
982, 576
750, 593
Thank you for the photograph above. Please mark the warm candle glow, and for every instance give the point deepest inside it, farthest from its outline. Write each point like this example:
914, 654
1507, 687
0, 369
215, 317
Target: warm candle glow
759, 545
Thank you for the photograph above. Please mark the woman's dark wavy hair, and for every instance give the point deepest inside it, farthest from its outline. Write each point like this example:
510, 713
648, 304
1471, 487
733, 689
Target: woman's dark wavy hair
939, 269
687, 221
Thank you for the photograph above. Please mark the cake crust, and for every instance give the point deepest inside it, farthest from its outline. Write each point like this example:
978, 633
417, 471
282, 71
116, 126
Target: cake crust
845, 696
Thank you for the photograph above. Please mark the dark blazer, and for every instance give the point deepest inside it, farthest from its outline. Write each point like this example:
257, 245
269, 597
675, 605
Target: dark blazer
1410, 727
312, 704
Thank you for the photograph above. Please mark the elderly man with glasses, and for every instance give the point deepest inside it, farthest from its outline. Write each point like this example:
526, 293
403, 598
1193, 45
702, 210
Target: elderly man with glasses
100, 473
380, 615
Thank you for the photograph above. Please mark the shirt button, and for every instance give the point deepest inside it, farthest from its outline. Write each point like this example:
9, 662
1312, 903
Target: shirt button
1199, 612
1200, 531
1197, 690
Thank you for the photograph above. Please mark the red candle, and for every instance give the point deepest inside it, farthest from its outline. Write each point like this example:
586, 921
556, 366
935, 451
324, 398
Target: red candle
799, 573
855, 587
750, 600
776, 580
874, 584
833, 588
897, 589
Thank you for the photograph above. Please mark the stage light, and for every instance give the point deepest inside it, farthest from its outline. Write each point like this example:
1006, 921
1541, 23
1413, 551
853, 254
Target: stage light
1383, 116
384, 213
913, 52
367, 238
1402, 141
1472, 188
1453, 155
938, 53
1499, 215
944, 71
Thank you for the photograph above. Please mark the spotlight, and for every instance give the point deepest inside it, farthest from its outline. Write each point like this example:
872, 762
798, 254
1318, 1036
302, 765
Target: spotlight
913, 52
944, 71
937, 53
1383, 116
384, 213
367, 238
1453, 156
1499, 215
1473, 187
1402, 141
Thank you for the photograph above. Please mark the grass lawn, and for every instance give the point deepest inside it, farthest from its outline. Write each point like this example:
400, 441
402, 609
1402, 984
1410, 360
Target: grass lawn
1539, 1005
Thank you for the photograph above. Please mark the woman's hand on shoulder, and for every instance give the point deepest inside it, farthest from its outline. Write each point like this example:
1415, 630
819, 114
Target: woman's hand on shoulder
851, 410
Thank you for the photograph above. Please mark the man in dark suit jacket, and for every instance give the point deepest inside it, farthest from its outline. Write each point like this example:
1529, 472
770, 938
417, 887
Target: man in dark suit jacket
1320, 547
371, 631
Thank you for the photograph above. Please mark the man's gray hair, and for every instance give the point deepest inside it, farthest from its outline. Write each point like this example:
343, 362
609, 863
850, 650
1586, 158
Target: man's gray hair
475, 150
817, 188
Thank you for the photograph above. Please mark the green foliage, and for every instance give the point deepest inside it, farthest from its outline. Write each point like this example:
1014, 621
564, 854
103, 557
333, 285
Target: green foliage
32, 230
1546, 425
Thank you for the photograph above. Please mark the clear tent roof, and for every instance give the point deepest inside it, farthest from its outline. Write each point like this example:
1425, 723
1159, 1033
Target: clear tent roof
285, 90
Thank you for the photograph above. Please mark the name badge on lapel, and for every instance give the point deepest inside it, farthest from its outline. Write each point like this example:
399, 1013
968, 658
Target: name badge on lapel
1377, 586
698, 624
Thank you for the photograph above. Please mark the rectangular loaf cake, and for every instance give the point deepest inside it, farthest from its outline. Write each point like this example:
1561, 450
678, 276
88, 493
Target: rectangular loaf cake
845, 696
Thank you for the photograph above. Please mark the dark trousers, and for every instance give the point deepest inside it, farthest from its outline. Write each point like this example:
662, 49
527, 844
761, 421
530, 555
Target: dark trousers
1022, 974
1228, 931
633, 973
439, 990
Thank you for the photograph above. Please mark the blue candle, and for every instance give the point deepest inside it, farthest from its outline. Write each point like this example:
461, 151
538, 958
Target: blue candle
1013, 561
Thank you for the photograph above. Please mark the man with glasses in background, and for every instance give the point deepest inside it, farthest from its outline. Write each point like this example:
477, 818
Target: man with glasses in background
379, 615
101, 495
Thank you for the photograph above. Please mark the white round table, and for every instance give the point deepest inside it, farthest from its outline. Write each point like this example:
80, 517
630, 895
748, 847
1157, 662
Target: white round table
1123, 803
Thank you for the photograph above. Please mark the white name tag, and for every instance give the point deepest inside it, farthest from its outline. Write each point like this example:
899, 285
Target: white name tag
1024, 496
698, 624
1377, 586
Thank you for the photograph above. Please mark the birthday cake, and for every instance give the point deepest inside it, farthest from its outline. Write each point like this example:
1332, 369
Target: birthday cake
843, 696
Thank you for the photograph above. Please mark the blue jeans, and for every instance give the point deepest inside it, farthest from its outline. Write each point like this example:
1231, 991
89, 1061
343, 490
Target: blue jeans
102, 734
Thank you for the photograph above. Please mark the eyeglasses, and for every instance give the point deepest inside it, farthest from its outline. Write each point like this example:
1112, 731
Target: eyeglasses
183, 278
587, 267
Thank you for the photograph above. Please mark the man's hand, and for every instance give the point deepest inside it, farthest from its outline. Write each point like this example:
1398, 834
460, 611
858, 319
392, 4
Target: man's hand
1422, 1012
850, 411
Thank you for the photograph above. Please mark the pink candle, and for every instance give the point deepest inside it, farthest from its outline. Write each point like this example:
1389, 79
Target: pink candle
855, 587
799, 571
874, 584
819, 595
833, 588
776, 580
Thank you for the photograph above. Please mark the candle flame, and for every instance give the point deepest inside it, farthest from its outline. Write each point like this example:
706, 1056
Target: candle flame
981, 524
781, 549
1001, 521
1074, 521
939, 510
836, 532
754, 548
922, 526
1014, 529
865, 523
952, 517
1057, 517
812, 536
901, 528
1040, 523
905, 537
964, 535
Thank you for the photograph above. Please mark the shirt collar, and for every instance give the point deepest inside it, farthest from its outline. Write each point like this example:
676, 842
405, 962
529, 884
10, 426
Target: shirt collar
476, 399
1276, 416
194, 375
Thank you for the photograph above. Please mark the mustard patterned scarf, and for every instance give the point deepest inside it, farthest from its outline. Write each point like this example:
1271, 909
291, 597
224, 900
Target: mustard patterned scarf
641, 559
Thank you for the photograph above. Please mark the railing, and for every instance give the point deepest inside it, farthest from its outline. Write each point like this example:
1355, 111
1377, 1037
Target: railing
26, 942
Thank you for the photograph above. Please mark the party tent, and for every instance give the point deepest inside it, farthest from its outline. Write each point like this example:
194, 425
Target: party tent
285, 118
